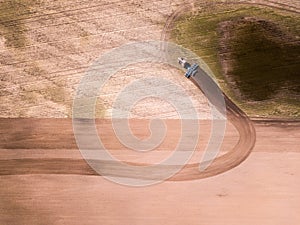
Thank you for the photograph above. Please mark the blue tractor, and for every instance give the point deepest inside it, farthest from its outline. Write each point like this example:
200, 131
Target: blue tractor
191, 70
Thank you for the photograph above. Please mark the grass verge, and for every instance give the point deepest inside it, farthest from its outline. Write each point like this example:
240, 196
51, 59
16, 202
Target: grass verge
254, 53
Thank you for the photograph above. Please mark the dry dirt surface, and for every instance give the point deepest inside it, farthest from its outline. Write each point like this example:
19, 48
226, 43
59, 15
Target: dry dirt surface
43, 177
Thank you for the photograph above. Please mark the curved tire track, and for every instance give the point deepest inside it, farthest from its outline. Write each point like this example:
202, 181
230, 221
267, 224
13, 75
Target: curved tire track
236, 116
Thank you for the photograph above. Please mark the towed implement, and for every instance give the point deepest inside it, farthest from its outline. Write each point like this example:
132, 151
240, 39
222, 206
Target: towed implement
191, 70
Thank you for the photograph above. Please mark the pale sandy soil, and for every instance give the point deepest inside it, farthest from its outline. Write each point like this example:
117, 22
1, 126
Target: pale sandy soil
263, 190
64, 38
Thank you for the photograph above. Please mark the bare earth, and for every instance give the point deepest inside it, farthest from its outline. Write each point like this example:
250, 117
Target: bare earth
43, 177
51, 182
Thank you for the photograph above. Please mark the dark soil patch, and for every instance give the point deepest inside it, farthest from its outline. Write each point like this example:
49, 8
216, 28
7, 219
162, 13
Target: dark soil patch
265, 60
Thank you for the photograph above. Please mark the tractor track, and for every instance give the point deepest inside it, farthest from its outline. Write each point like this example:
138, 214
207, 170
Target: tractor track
41, 127
187, 7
